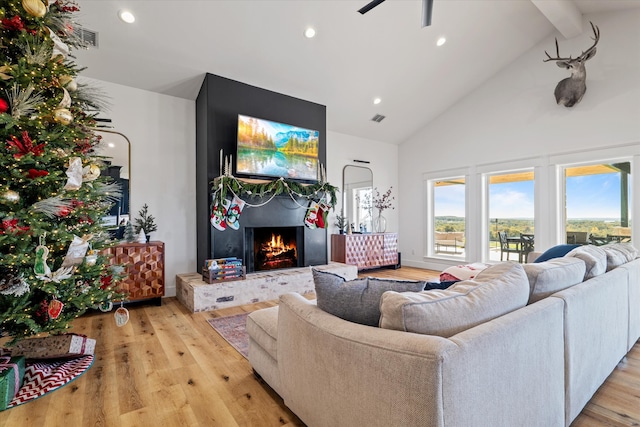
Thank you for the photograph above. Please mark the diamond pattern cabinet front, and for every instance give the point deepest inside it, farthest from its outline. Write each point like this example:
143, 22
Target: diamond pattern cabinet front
365, 250
144, 269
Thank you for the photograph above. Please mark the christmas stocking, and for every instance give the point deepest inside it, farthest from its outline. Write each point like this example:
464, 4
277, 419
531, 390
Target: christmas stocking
233, 213
219, 214
311, 217
323, 212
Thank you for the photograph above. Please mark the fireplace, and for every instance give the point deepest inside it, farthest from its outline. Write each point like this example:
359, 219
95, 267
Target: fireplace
272, 248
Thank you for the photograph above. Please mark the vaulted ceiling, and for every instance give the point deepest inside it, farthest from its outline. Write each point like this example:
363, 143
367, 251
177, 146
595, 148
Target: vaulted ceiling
353, 58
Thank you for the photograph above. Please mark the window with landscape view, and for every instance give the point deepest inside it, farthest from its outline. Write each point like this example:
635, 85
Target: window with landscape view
511, 211
597, 200
449, 217
362, 208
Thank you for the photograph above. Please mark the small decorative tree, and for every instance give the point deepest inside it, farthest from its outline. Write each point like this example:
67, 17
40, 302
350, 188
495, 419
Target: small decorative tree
341, 222
129, 235
145, 222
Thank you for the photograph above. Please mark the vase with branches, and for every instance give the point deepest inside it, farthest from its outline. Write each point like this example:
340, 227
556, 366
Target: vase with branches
381, 202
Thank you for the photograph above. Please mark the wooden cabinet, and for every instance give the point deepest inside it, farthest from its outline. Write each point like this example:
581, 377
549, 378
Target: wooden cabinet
365, 250
144, 269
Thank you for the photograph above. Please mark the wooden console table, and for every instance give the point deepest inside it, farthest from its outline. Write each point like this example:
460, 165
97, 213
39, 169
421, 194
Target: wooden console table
365, 250
144, 267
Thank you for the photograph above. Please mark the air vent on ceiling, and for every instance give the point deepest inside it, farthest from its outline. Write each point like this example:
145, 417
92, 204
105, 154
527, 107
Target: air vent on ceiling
89, 37
378, 118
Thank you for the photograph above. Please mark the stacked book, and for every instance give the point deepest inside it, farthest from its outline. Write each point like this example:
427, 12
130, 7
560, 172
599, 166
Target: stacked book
223, 269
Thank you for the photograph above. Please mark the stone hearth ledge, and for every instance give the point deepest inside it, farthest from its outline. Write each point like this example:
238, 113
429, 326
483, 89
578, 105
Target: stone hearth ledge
197, 295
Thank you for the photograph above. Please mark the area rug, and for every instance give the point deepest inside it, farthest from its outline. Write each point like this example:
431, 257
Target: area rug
234, 330
44, 376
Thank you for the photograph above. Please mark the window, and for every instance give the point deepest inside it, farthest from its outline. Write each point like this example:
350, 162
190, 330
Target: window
597, 201
511, 213
362, 209
449, 217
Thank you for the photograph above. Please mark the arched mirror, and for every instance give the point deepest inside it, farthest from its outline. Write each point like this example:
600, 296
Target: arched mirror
357, 187
117, 147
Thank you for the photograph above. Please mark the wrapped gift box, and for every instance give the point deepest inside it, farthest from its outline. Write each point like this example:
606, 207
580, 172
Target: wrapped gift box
54, 346
11, 376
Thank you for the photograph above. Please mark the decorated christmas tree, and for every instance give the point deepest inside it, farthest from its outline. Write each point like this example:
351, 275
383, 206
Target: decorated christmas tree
52, 196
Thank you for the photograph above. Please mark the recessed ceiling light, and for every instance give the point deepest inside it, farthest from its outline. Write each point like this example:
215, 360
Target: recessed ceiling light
126, 16
310, 32
111, 145
377, 101
441, 41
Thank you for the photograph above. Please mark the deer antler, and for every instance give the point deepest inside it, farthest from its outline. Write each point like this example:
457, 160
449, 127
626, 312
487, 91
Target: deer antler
596, 39
557, 58
586, 53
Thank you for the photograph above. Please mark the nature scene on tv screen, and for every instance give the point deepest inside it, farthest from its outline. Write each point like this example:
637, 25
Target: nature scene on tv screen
268, 148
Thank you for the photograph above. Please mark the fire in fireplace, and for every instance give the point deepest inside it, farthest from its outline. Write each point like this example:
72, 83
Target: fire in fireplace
275, 247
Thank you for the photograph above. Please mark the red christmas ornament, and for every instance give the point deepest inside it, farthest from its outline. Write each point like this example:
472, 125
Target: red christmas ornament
35, 173
64, 211
4, 106
25, 146
55, 308
83, 146
105, 281
11, 225
14, 23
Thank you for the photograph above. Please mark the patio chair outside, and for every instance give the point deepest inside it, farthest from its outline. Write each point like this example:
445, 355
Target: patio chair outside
505, 248
526, 246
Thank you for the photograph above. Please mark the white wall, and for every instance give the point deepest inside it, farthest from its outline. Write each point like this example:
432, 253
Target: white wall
343, 149
162, 133
514, 116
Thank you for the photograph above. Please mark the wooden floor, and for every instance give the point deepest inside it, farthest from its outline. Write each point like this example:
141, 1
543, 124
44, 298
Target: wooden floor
168, 367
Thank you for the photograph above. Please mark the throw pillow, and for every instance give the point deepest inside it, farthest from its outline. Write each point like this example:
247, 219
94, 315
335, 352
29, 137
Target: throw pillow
439, 285
555, 252
618, 254
462, 272
549, 277
594, 257
496, 291
356, 300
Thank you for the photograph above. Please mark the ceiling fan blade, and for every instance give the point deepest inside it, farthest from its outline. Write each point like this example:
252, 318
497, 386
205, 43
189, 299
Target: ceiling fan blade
366, 8
427, 8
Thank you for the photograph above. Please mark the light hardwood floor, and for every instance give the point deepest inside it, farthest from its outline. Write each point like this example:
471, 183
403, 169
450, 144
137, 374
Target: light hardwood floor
168, 367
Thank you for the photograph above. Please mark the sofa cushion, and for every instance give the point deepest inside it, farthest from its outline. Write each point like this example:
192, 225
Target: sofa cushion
594, 257
462, 272
262, 327
356, 300
555, 252
618, 254
551, 276
497, 290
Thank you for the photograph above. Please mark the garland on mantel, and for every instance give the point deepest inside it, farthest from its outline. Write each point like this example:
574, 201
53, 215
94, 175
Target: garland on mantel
227, 184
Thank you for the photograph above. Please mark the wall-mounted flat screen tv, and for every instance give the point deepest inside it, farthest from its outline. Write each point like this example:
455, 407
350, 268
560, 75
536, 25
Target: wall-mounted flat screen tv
271, 149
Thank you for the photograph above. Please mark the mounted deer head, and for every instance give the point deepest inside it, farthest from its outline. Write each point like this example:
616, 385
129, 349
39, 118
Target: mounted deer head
570, 91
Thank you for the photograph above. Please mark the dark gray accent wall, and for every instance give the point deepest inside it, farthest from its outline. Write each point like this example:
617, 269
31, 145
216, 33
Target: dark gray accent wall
218, 104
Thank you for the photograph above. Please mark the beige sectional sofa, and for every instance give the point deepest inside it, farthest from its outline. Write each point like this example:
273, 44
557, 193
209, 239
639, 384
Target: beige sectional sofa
537, 365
